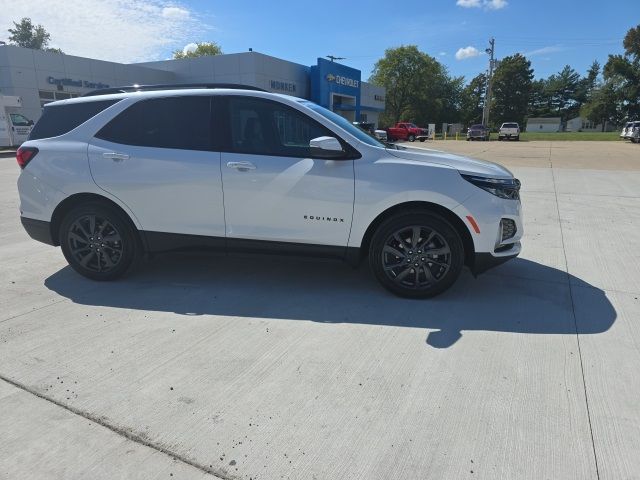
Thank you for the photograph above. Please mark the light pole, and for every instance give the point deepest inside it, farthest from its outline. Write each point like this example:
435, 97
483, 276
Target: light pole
487, 98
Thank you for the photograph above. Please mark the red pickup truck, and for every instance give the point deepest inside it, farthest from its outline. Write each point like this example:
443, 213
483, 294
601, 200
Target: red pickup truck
407, 131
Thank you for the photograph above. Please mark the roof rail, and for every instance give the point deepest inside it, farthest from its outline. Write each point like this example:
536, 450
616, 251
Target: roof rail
169, 86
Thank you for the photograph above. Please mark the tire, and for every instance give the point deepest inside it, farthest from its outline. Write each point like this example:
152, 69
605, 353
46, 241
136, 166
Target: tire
518, 138
500, 139
412, 138
468, 139
395, 240
98, 241
422, 139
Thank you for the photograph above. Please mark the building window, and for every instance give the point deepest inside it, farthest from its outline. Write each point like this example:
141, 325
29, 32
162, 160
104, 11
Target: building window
62, 96
540, 127
45, 95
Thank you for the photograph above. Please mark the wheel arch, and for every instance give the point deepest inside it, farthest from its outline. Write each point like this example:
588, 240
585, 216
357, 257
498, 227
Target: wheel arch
421, 206
74, 200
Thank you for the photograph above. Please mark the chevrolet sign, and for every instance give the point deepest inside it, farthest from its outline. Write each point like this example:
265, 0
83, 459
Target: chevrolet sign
340, 80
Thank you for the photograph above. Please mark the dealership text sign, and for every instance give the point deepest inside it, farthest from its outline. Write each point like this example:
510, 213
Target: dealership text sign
341, 80
75, 83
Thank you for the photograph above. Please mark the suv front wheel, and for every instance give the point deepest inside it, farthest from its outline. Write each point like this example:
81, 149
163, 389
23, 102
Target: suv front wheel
98, 242
416, 255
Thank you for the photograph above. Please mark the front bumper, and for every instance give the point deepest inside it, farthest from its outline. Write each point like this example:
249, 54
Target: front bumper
485, 261
38, 230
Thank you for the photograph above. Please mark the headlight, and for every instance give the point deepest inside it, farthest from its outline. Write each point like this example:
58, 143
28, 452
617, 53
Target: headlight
504, 188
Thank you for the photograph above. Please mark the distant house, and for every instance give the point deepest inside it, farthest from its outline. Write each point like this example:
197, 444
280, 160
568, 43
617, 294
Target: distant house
552, 124
581, 124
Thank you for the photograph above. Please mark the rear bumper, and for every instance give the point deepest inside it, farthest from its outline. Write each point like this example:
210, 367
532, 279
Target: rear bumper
38, 230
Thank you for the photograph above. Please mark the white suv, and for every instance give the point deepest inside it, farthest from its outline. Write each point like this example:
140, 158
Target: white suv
112, 176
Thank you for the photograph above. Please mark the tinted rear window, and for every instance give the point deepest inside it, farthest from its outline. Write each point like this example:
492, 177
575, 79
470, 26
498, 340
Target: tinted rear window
173, 122
60, 119
510, 125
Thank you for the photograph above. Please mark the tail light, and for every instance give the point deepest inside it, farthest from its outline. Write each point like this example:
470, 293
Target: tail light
24, 155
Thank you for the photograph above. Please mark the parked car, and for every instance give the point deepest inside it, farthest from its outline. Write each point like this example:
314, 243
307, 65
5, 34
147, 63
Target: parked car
508, 131
626, 130
112, 176
370, 128
407, 131
634, 134
478, 132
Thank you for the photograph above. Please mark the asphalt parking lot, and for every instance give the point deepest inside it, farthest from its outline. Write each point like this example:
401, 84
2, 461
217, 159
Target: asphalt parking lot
264, 368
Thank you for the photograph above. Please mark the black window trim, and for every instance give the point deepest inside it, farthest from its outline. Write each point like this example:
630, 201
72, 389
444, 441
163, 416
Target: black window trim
222, 126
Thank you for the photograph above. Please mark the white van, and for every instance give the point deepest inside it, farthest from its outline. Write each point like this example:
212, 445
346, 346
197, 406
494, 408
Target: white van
14, 127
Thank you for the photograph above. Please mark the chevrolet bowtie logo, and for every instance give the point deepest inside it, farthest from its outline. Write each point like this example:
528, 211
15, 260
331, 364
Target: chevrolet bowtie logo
331, 77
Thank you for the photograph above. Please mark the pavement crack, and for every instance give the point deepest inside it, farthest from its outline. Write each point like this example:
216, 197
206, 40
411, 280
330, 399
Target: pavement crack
123, 432
575, 318
34, 310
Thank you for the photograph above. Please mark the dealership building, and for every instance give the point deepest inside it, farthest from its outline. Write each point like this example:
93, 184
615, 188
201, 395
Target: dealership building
40, 77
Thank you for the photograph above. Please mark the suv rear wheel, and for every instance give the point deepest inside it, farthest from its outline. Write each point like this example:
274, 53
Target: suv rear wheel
416, 255
98, 242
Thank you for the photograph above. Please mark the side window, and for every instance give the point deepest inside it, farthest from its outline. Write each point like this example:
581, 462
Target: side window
264, 127
172, 122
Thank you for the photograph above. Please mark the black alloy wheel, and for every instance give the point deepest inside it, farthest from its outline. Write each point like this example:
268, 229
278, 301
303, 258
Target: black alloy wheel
416, 255
97, 242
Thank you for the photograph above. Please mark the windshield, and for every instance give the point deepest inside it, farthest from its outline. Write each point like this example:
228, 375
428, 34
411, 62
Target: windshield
19, 120
344, 124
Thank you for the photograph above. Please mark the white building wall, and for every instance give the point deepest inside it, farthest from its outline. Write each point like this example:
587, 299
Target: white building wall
542, 127
25, 72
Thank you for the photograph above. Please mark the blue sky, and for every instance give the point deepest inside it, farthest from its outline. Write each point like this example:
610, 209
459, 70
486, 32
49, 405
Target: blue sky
551, 33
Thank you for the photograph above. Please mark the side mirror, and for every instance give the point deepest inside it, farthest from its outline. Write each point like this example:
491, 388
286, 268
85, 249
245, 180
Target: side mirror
326, 147
30, 122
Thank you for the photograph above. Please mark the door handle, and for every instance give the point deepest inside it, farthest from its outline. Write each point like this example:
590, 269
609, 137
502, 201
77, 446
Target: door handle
116, 157
241, 166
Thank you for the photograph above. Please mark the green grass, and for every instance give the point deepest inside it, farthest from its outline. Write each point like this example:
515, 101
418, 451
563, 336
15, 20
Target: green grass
570, 136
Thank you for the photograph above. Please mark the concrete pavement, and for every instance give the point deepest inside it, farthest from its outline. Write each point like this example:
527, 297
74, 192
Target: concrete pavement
267, 368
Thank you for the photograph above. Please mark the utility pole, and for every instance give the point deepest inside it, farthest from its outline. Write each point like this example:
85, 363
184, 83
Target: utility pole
487, 97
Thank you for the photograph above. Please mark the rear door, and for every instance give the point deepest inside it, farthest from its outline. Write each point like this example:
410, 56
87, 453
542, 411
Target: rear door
274, 189
157, 157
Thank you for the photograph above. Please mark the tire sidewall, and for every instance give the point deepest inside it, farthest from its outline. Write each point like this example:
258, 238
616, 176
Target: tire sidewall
129, 240
430, 220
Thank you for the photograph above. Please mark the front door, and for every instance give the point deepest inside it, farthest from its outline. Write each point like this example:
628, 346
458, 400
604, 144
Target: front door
274, 189
157, 158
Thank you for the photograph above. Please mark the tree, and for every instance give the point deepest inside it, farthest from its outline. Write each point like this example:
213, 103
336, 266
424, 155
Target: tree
621, 86
631, 43
202, 49
419, 88
604, 106
472, 100
511, 89
27, 35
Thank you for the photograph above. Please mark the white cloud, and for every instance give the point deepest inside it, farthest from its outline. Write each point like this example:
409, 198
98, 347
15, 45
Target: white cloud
467, 52
189, 47
442, 54
116, 30
487, 4
175, 13
469, 3
495, 4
